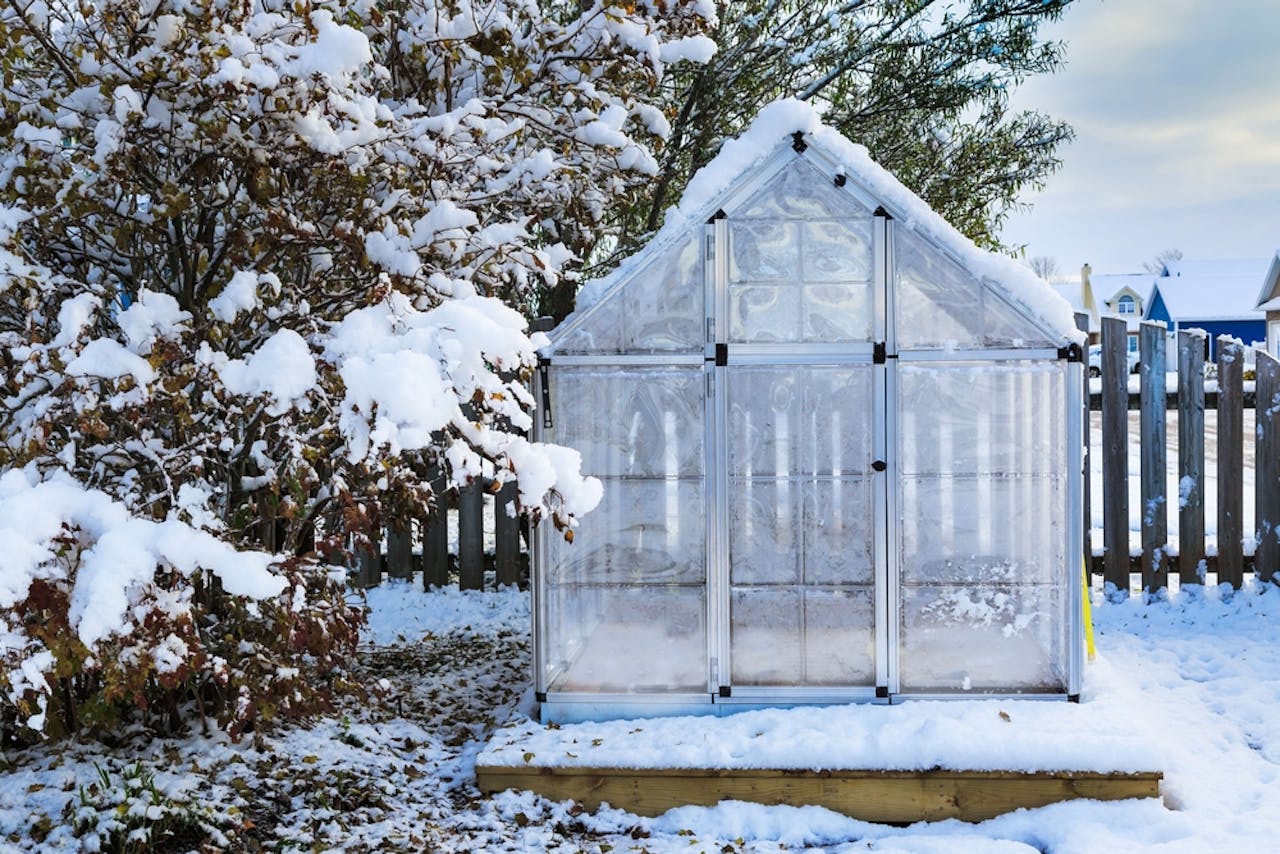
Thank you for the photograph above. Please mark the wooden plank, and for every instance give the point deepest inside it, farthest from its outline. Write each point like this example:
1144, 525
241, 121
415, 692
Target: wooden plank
506, 536
369, 564
1115, 457
1230, 461
1266, 560
1082, 323
471, 536
399, 553
435, 537
884, 796
1191, 456
1153, 468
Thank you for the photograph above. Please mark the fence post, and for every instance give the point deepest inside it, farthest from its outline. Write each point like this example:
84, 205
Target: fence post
1115, 457
1191, 567
1230, 461
1082, 323
400, 552
435, 537
1266, 557
506, 536
369, 562
471, 536
1154, 467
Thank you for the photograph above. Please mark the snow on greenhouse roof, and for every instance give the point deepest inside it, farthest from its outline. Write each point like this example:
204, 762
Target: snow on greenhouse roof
772, 130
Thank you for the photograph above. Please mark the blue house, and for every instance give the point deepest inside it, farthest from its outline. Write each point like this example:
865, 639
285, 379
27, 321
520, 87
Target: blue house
1218, 296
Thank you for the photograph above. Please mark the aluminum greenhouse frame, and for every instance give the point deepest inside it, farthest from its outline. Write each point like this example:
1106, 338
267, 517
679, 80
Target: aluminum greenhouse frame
841, 451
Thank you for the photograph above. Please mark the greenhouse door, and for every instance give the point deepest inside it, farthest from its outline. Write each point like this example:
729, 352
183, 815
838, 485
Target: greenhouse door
798, 542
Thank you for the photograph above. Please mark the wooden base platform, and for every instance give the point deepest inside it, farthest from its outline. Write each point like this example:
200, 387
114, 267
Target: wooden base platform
881, 796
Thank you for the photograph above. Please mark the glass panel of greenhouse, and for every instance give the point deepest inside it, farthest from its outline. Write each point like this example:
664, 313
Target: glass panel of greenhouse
839, 454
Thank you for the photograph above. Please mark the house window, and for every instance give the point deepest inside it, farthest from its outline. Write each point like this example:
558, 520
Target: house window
1133, 343
1127, 305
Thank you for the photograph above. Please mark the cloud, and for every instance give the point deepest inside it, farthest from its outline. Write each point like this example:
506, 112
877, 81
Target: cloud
1176, 105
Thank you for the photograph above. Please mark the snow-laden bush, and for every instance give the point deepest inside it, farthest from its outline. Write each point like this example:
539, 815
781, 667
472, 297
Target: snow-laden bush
260, 266
102, 611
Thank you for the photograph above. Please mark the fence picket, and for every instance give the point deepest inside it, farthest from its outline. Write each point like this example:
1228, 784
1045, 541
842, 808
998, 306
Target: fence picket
435, 539
400, 553
1154, 459
1266, 559
1191, 456
506, 537
1230, 461
471, 536
1115, 456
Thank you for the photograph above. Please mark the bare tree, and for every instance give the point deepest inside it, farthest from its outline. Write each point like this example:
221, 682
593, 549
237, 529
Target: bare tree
1163, 259
1044, 266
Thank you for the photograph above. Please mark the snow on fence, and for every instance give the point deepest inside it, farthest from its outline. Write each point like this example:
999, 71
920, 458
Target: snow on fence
1238, 541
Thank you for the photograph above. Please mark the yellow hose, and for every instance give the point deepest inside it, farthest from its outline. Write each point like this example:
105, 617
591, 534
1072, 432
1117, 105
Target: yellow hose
1088, 615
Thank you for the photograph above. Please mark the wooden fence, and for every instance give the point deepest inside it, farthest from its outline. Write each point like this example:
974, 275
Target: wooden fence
1120, 566
475, 521
1237, 551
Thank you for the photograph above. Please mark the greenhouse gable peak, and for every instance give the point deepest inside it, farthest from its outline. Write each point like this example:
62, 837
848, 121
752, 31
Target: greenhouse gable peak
790, 167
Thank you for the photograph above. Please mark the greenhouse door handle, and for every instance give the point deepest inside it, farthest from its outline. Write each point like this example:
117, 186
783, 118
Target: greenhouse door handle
879, 465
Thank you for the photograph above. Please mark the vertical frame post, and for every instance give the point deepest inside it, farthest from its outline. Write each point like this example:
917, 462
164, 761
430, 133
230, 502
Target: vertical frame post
1077, 393
1086, 540
884, 483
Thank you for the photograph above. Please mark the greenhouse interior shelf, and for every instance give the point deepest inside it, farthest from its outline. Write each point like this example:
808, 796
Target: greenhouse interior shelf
840, 449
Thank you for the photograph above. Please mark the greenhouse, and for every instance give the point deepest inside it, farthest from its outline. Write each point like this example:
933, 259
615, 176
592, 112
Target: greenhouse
840, 449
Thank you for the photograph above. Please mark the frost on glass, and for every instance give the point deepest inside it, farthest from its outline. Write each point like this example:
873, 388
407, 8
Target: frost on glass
939, 304
764, 313
839, 636
631, 421
1000, 418
1005, 326
634, 577
982, 534
800, 263
660, 308
983, 531
837, 251
800, 519
836, 312
1002, 639
803, 636
765, 633
766, 532
800, 191
599, 332
838, 532
649, 639
645, 531
800, 420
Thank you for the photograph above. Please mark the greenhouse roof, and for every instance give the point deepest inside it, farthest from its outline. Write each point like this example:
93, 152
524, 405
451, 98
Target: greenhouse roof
773, 131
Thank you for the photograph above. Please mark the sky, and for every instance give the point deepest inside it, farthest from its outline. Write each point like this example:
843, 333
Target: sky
1176, 108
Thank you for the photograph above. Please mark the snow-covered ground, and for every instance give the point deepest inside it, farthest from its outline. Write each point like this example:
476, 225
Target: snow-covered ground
1192, 685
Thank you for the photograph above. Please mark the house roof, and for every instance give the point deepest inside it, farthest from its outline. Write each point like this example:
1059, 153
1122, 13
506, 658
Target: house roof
1192, 297
1270, 285
769, 136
